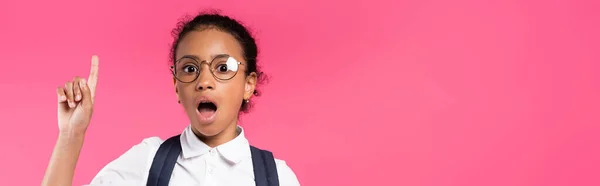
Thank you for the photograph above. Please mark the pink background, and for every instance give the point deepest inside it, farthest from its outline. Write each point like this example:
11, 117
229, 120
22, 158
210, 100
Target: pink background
422, 92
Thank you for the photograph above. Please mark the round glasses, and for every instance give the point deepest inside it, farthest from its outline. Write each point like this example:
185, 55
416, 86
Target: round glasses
222, 67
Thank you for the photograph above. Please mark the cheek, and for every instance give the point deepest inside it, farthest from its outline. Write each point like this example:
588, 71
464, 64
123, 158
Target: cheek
185, 91
234, 90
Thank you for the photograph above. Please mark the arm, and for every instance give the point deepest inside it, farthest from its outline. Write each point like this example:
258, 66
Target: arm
64, 159
287, 177
75, 107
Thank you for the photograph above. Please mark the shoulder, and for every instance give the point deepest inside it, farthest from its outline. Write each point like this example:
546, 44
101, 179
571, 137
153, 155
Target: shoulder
286, 175
131, 167
153, 141
146, 148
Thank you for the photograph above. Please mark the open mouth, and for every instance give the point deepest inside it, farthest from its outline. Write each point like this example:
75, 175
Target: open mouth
207, 109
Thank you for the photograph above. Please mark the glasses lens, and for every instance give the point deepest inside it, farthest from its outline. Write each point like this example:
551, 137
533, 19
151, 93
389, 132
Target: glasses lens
224, 67
186, 70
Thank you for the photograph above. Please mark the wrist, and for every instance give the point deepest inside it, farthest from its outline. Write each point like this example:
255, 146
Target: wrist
66, 130
71, 135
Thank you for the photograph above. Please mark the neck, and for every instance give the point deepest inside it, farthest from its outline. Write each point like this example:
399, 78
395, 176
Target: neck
223, 137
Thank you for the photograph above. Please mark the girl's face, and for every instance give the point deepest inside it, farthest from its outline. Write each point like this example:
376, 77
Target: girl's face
212, 104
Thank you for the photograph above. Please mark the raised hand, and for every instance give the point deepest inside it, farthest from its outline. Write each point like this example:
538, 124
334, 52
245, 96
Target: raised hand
76, 101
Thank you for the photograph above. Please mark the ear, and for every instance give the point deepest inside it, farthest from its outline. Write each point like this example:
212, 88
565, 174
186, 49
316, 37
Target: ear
250, 85
176, 90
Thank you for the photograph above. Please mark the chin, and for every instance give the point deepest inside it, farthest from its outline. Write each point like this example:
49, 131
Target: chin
207, 130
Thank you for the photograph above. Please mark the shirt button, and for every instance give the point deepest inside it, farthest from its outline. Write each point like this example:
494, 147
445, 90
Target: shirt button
213, 152
210, 170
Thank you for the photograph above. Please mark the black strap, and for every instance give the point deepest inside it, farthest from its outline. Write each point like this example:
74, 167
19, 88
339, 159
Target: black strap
164, 162
263, 163
265, 169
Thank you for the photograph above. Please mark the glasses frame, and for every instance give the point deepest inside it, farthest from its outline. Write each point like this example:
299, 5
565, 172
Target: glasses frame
199, 64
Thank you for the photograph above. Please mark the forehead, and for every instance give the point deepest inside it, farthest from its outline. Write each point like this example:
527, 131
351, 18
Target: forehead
208, 43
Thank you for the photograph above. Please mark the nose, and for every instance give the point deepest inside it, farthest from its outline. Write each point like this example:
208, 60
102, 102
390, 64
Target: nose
205, 80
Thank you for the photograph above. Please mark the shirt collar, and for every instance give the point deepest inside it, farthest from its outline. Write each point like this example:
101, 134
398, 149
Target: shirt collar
233, 151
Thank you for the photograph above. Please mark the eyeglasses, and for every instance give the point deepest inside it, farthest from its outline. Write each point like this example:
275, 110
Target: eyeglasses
222, 67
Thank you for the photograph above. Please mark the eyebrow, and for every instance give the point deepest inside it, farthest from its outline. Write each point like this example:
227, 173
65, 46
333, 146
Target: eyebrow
198, 58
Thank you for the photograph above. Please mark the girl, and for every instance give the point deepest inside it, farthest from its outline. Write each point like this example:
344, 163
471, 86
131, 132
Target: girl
215, 75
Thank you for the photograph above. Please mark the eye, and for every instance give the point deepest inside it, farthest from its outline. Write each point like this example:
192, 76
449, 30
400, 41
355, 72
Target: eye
190, 69
222, 68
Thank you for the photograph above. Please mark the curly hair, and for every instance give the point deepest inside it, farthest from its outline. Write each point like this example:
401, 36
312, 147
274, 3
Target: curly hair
214, 20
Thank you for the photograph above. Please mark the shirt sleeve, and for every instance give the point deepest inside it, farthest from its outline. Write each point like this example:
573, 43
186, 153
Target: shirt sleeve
131, 168
287, 177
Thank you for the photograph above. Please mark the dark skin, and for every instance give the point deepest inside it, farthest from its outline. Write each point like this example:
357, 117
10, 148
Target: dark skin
227, 94
76, 101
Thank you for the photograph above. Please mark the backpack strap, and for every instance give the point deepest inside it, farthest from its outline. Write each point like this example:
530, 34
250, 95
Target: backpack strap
164, 162
263, 162
265, 169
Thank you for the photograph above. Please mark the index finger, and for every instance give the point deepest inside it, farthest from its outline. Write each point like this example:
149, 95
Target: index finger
93, 78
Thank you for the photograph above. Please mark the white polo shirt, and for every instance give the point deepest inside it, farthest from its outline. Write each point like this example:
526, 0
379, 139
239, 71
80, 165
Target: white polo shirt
229, 164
